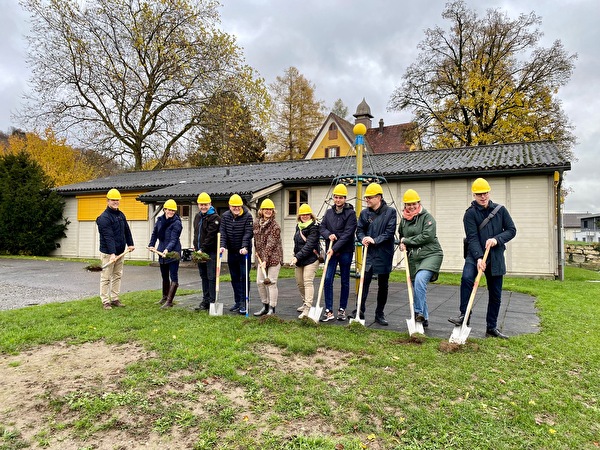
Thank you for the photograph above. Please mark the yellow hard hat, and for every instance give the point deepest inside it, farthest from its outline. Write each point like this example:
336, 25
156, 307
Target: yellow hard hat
340, 190
204, 198
411, 196
235, 200
113, 194
267, 203
373, 189
304, 209
170, 204
480, 186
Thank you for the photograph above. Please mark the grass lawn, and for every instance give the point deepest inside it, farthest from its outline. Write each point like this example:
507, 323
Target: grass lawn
234, 383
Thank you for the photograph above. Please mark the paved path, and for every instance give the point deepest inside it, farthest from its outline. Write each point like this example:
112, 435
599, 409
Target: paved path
32, 282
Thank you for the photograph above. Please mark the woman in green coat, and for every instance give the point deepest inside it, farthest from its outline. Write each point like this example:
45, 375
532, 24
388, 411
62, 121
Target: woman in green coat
418, 237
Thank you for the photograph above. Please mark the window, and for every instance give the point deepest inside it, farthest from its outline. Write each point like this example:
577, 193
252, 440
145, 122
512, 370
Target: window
333, 131
296, 197
184, 211
332, 152
91, 206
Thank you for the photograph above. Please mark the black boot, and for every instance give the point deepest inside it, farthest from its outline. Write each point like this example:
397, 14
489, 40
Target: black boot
165, 292
171, 295
263, 311
271, 311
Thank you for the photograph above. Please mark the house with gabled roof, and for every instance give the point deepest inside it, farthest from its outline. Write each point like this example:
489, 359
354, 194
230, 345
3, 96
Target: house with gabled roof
525, 177
336, 138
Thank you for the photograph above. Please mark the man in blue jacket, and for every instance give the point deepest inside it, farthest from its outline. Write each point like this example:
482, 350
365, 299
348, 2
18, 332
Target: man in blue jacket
236, 236
376, 230
494, 234
115, 238
338, 228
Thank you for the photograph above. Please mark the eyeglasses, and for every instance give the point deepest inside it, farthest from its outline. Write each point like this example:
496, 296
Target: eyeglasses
370, 197
482, 194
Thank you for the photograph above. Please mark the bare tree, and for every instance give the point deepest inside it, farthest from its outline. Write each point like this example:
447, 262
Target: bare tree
130, 77
486, 81
296, 115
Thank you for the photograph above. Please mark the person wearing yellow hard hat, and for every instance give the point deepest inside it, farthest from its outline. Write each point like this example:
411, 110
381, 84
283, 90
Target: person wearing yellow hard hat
236, 237
206, 230
337, 228
167, 231
269, 256
306, 256
115, 241
418, 236
488, 225
376, 230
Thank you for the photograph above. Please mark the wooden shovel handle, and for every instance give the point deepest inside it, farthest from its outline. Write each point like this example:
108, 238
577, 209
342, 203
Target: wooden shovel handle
475, 285
362, 281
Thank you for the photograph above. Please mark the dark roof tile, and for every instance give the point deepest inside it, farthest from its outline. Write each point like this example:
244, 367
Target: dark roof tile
528, 157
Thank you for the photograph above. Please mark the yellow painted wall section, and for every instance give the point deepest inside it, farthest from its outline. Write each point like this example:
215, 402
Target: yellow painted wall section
326, 143
89, 207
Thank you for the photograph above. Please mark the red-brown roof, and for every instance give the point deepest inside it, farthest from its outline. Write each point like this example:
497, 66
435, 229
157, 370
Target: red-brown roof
390, 139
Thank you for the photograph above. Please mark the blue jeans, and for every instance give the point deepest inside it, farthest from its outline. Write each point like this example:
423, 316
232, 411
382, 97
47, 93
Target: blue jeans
345, 261
494, 285
208, 275
240, 281
420, 284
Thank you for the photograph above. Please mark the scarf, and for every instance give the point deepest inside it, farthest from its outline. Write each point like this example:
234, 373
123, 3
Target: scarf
303, 225
410, 216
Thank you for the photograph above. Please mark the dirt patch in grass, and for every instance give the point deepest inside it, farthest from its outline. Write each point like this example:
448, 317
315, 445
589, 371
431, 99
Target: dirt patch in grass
30, 378
34, 380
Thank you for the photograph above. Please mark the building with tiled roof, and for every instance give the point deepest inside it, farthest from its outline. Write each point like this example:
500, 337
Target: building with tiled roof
525, 177
336, 138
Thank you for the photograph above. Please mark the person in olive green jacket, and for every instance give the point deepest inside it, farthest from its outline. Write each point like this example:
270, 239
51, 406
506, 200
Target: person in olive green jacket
418, 237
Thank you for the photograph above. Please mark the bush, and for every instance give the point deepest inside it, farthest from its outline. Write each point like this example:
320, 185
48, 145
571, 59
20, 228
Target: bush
32, 213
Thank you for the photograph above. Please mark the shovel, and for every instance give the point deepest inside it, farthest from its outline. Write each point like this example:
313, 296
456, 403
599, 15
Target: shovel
104, 266
360, 289
314, 312
461, 333
247, 283
216, 309
153, 250
413, 327
266, 280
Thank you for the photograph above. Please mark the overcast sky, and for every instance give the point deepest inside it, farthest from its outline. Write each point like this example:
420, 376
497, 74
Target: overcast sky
351, 49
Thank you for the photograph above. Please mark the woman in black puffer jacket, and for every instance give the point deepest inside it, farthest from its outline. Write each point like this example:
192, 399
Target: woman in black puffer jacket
306, 256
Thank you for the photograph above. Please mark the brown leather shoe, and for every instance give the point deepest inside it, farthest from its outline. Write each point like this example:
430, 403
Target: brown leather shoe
117, 303
106, 306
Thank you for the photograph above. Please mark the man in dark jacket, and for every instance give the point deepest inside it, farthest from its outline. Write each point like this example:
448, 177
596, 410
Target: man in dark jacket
376, 230
499, 230
236, 236
115, 240
206, 229
338, 227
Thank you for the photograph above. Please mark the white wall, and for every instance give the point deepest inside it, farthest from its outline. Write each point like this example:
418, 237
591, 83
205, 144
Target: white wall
529, 199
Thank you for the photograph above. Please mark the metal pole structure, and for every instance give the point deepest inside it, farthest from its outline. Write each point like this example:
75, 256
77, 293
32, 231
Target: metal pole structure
359, 145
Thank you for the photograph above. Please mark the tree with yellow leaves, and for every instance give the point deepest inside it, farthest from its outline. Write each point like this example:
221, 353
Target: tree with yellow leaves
296, 116
486, 81
59, 161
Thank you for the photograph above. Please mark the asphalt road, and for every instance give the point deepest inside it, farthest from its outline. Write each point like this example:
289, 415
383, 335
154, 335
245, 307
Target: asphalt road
27, 282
